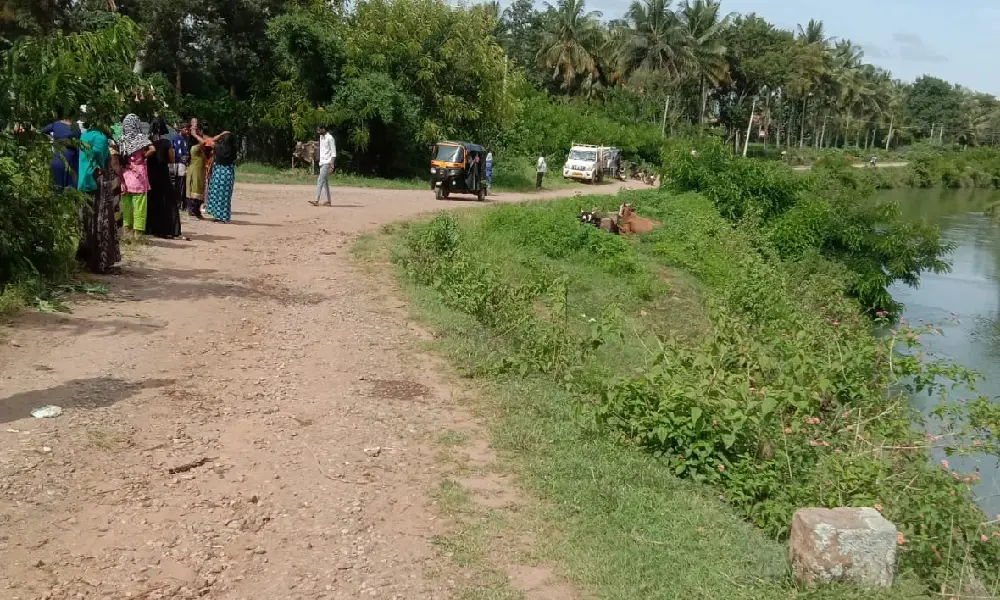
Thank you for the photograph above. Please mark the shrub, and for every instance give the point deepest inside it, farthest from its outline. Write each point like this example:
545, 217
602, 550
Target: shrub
787, 400
828, 211
45, 78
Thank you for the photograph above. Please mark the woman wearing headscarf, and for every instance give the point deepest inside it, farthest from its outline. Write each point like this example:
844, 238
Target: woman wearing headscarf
135, 148
99, 241
220, 188
163, 218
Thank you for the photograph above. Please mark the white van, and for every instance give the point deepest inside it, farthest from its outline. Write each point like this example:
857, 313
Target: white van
586, 163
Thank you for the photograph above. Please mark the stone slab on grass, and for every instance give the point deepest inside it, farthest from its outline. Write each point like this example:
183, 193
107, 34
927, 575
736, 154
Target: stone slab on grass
851, 545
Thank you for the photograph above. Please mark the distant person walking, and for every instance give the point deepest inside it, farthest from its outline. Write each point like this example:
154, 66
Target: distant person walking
327, 157
489, 171
540, 169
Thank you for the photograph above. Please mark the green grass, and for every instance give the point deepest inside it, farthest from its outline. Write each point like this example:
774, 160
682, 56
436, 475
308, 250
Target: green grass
261, 173
612, 518
518, 176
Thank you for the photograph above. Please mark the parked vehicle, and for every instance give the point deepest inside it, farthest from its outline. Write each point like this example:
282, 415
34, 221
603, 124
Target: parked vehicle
589, 163
458, 167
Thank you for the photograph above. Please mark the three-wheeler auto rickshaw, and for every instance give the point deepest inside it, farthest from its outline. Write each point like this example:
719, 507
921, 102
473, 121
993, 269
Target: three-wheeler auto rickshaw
459, 168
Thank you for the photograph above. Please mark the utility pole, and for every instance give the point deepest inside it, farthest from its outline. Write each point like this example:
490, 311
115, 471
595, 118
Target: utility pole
802, 129
666, 107
746, 142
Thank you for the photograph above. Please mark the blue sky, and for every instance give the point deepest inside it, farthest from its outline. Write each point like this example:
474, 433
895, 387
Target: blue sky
957, 40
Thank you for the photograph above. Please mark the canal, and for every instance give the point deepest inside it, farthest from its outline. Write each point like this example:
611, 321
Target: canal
964, 303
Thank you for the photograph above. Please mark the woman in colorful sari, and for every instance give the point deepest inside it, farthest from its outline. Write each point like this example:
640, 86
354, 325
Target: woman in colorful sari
99, 242
195, 178
220, 189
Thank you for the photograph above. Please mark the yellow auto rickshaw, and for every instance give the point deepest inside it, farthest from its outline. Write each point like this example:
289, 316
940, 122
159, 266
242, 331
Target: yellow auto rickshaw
458, 167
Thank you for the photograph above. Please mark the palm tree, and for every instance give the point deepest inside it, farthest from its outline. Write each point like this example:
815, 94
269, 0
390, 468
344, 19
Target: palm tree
569, 41
813, 33
704, 27
813, 37
651, 38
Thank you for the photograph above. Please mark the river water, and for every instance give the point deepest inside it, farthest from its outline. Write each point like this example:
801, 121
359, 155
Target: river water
964, 303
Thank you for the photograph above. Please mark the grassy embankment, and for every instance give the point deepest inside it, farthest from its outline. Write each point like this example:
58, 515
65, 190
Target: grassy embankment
614, 366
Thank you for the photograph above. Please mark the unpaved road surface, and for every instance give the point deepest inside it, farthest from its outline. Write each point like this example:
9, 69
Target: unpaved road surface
881, 165
244, 418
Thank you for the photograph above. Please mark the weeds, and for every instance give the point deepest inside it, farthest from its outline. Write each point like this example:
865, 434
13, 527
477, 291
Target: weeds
785, 401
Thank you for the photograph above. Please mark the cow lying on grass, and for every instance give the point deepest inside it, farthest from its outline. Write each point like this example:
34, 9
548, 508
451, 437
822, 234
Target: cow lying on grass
630, 223
594, 218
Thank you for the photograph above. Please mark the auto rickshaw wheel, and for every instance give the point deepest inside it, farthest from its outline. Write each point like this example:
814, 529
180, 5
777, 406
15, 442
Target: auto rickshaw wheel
445, 192
482, 194
437, 193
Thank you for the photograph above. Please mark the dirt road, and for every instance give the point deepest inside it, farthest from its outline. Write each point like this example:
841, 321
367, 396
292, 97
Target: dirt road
882, 165
244, 418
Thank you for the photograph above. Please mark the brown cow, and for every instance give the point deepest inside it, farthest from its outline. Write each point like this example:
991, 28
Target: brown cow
631, 223
307, 151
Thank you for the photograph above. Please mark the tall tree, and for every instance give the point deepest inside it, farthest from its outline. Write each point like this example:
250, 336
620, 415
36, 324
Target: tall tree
704, 25
652, 39
569, 41
521, 29
813, 33
934, 103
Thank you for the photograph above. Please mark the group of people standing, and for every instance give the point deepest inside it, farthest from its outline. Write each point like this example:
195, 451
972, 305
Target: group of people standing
140, 181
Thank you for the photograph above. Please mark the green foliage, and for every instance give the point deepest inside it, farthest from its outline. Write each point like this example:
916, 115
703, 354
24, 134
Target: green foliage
49, 78
740, 188
785, 400
45, 79
38, 227
551, 126
828, 211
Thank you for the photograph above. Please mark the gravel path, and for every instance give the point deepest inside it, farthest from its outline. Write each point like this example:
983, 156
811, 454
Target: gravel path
244, 418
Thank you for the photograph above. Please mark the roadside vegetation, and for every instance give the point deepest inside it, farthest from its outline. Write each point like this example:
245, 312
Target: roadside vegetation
725, 364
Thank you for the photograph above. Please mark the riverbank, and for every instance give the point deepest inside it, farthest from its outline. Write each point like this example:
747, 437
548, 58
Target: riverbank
617, 350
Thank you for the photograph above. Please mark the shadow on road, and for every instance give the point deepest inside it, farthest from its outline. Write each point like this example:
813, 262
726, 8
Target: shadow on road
78, 393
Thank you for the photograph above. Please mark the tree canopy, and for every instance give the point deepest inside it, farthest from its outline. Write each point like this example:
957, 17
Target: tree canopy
392, 75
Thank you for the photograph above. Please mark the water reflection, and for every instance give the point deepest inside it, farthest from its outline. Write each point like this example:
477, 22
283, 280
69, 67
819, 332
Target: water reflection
965, 303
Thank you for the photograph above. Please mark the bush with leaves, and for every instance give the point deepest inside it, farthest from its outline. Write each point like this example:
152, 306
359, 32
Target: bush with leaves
786, 400
45, 78
829, 211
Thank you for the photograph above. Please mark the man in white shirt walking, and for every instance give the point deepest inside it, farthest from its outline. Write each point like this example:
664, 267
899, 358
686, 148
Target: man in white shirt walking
327, 157
540, 170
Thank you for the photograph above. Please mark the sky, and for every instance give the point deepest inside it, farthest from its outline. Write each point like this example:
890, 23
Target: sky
956, 40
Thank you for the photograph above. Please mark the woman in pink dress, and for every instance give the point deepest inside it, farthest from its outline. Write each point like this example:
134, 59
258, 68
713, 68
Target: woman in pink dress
135, 149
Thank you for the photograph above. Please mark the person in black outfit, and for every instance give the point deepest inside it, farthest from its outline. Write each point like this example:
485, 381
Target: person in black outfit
162, 216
